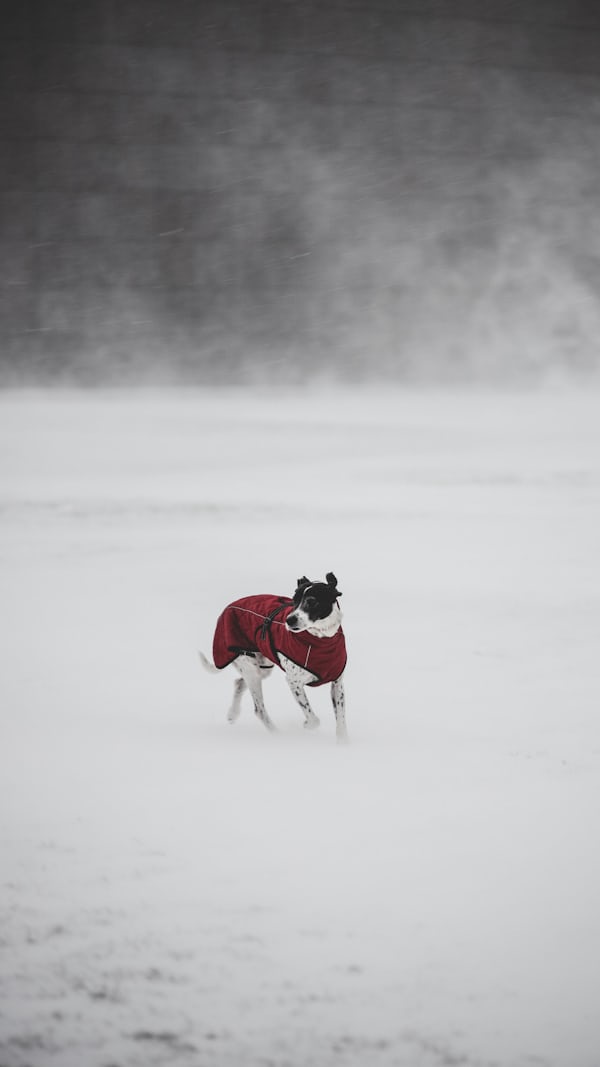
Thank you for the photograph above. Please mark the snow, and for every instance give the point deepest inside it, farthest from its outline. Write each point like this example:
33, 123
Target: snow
176, 890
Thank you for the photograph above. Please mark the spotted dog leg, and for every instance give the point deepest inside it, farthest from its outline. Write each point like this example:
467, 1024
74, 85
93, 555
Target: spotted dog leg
296, 678
239, 687
339, 706
252, 676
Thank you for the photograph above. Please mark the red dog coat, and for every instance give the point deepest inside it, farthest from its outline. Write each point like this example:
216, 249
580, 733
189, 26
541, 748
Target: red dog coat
257, 624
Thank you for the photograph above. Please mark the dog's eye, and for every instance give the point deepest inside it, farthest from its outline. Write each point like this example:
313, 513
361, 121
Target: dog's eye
310, 601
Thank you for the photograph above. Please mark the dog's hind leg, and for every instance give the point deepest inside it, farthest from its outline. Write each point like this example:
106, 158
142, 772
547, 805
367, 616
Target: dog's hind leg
239, 687
251, 676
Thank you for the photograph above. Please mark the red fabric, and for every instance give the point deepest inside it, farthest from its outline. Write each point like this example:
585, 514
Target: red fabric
241, 628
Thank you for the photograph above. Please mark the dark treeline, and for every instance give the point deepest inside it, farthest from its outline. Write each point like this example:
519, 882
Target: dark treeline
263, 188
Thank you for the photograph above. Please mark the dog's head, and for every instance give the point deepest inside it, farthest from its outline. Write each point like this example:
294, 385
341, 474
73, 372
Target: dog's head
316, 606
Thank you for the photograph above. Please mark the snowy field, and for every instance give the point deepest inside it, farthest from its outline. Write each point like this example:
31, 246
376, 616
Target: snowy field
178, 891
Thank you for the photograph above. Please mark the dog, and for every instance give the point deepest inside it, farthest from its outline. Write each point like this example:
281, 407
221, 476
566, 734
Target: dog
303, 635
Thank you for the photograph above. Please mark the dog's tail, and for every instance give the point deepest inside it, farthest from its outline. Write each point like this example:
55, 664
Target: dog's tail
208, 664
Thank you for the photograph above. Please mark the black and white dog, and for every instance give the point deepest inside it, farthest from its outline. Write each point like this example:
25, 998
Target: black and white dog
302, 635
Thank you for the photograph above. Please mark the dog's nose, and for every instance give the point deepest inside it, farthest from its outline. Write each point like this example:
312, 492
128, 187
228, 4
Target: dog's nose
291, 622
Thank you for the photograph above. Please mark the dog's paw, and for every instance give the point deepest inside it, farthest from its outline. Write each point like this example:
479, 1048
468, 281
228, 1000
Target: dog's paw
312, 723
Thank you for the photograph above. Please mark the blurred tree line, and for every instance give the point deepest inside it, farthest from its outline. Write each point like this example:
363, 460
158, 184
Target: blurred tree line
253, 189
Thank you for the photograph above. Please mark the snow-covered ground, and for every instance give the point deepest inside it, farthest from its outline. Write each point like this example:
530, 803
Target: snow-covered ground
178, 891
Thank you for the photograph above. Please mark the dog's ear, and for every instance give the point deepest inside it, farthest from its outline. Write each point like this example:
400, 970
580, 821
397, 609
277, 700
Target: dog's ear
301, 584
332, 580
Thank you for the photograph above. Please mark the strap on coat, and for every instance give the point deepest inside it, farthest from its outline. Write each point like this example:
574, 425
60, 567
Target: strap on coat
268, 619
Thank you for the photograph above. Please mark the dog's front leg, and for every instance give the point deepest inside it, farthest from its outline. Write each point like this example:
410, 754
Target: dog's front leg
296, 679
338, 700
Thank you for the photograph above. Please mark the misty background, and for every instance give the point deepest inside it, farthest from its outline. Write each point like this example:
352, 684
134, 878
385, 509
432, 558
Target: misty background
218, 190
385, 195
